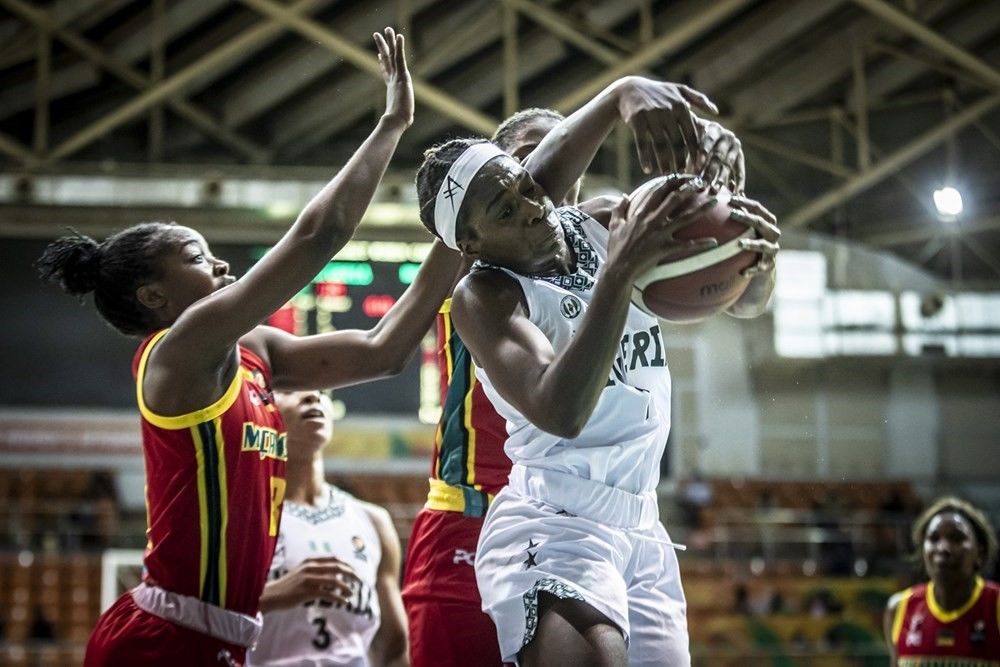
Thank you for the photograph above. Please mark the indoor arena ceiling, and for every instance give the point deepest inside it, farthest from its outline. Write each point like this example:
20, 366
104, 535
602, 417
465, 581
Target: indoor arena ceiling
851, 111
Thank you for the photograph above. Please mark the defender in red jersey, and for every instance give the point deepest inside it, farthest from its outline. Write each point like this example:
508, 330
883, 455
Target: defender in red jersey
213, 441
955, 618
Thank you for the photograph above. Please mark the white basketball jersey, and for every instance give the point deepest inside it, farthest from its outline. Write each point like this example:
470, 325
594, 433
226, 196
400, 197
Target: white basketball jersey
623, 440
318, 632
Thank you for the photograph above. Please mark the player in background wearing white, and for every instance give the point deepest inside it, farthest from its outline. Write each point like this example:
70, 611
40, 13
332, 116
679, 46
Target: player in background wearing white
573, 564
332, 596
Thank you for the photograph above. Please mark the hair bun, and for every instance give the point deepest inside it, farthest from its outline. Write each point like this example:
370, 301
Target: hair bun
73, 262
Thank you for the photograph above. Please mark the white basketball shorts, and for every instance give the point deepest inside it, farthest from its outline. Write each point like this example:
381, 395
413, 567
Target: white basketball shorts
528, 546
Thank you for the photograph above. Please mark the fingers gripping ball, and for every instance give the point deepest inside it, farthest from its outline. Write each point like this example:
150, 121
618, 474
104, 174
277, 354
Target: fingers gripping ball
700, 284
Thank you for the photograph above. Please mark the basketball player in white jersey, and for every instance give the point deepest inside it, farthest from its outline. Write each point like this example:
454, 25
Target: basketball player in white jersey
332, 596
573, 564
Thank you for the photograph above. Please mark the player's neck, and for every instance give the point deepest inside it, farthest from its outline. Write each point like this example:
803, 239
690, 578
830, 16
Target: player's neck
306, 483
951, 595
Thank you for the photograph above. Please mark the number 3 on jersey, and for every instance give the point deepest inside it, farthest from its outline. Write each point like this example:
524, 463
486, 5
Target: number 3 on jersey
322, 638
277, 497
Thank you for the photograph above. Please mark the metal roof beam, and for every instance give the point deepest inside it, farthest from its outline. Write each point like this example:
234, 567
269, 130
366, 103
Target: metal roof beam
551, 21
728, 56
364, 60
294, 71
197, 116
906, 235
887, 167
976, 23
213, 61
814, 71
917, 30
676, 37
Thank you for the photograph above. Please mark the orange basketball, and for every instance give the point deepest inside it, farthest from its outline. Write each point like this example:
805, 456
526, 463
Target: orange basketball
699, 285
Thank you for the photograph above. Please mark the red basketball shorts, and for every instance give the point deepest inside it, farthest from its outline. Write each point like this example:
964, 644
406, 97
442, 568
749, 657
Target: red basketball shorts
127, 635
447, 625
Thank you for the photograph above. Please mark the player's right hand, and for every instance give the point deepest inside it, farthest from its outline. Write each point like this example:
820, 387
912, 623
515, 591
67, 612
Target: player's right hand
398, 85
643, 232
322, 578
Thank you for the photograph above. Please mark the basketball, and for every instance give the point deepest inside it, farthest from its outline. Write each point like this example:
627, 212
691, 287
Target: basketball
692, 288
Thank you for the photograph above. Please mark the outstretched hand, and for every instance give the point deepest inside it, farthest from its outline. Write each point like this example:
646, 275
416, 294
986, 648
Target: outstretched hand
399, 87
753, 214
662, 122
719, 158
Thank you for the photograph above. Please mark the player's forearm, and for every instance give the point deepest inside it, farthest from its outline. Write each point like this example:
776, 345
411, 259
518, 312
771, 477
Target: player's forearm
396, 337
335, 212
753, 302
566, 152
323, 227
570, 387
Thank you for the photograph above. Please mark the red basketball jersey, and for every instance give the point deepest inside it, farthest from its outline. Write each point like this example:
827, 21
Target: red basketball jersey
469, 465
215, 481
927, 636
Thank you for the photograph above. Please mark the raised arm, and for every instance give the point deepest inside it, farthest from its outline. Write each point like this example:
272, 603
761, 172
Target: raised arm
211, 327
558, 392
350, 356
658, 113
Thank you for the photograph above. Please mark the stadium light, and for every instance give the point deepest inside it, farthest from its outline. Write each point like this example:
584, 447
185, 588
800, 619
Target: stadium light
948, 202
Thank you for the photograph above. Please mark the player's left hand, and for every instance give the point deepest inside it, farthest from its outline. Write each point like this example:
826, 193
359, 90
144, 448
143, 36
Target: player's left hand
662, 122
754, 215
719, 159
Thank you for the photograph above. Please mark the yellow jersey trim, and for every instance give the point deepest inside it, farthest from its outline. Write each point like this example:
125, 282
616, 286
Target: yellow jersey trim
949, 616
188, 419
450, 365
897, 621
447, 498
470, 430
199, 457
220, 446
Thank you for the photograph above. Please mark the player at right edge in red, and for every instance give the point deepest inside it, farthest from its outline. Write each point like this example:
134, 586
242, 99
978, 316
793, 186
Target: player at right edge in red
954, 619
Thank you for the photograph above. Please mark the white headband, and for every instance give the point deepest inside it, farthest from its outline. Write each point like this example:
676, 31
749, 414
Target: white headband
455, 184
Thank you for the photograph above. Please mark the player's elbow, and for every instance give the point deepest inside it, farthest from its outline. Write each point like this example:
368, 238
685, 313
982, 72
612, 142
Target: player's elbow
324, 228
388, 354
566, 426
392, 362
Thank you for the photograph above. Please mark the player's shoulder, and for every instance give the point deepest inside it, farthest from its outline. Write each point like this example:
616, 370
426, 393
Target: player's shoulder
485, 287
900, 598
383, 524
377, 512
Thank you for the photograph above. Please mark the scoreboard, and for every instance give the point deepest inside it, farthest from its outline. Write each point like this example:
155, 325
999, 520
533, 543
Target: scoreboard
354, 291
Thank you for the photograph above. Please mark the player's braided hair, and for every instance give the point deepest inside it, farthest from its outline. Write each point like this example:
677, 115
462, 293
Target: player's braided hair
985, 534
112, 270
509, 132
437, 161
